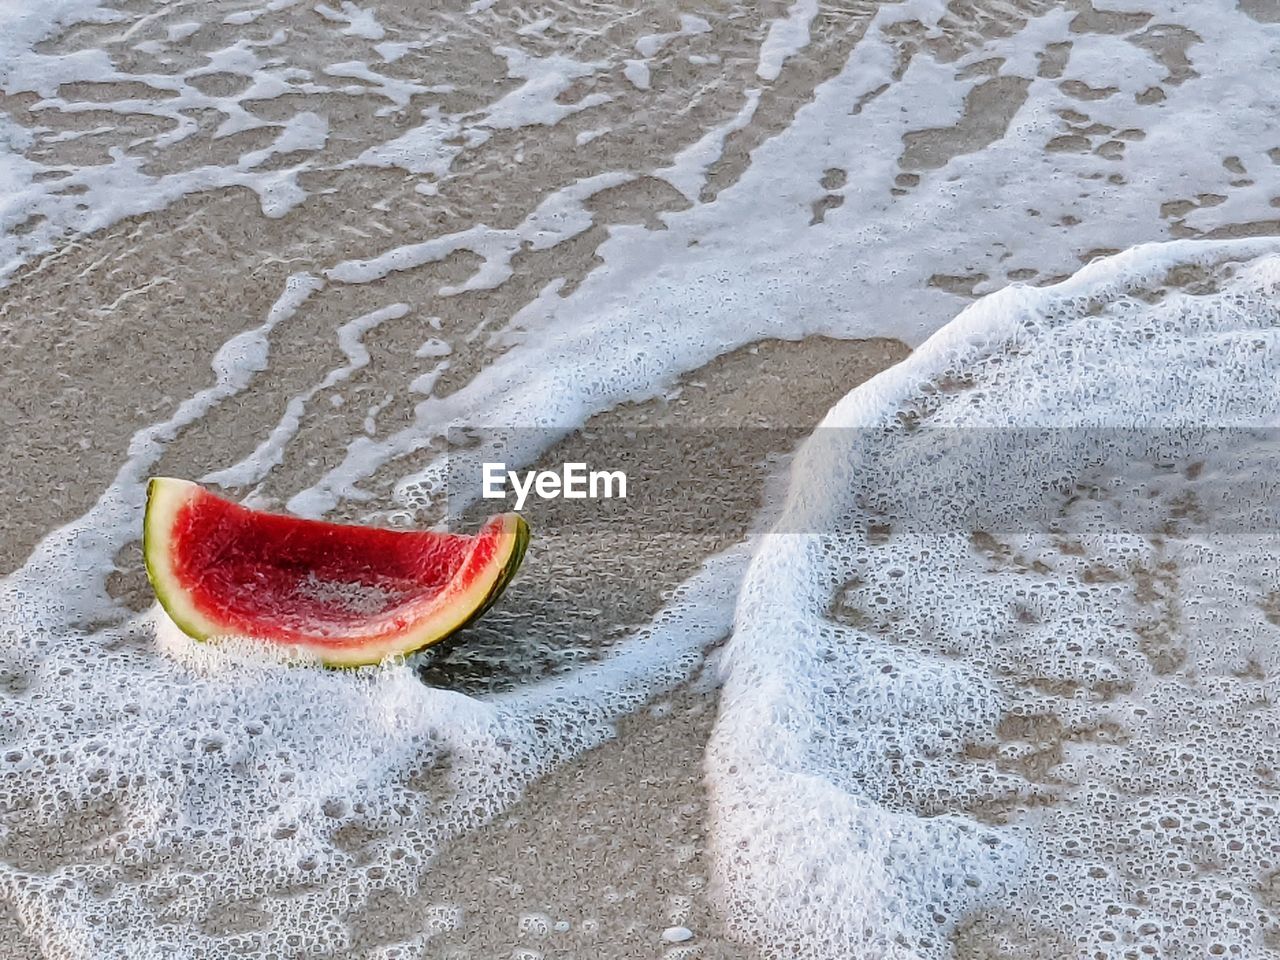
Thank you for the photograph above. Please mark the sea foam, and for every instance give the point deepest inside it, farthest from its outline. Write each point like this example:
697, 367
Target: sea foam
1056, 733
923, 746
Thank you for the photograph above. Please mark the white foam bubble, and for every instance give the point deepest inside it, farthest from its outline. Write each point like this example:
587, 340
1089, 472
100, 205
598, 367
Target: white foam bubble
424, 149
786, 37
688, 170
360, 22
649, 45
558, 217
535, 101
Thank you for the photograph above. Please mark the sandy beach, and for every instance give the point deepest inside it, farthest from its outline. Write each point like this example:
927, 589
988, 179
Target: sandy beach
286, 248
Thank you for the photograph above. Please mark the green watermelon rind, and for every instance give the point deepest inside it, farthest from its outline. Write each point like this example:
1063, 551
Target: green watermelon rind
514, 560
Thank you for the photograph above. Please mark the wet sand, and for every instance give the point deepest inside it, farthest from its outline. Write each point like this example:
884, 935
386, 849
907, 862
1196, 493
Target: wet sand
104, 332
613, 843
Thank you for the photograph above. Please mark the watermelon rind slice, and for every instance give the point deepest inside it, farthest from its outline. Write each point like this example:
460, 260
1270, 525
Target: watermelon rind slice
205, 557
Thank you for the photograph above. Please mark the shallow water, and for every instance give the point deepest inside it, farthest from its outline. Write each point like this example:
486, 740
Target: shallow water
288, 247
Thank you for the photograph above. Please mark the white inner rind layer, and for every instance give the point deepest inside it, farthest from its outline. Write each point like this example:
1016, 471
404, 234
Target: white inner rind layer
446, 612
